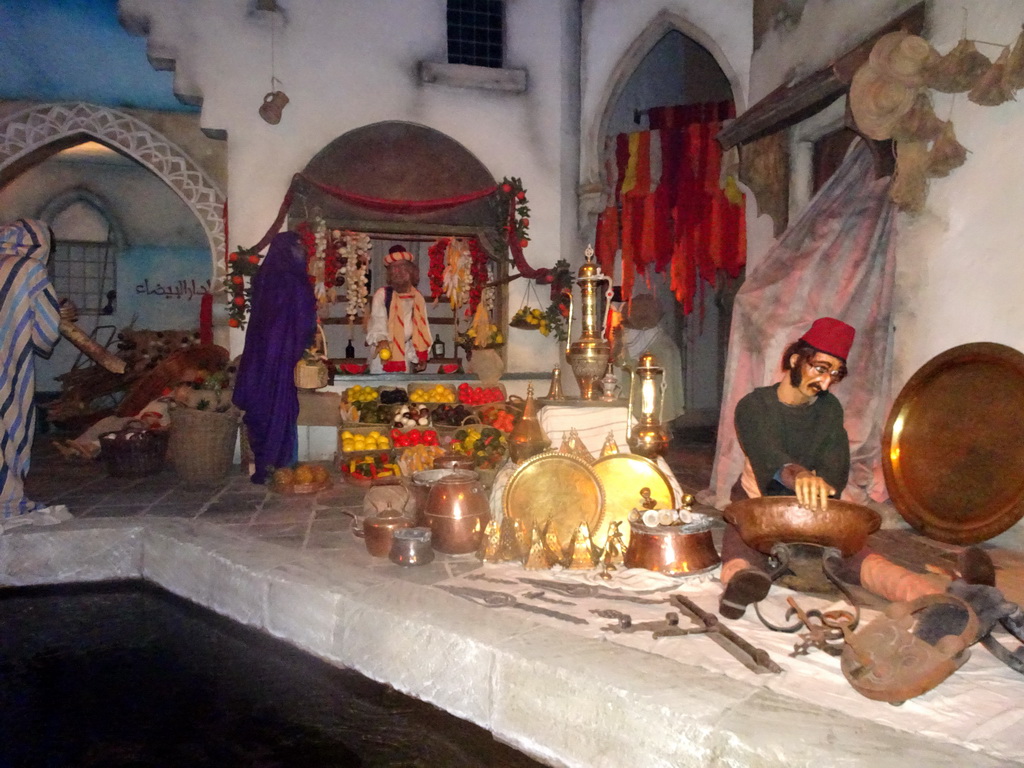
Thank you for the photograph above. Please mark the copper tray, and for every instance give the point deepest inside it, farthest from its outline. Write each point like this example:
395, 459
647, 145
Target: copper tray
556, 487
622, 475
953, 448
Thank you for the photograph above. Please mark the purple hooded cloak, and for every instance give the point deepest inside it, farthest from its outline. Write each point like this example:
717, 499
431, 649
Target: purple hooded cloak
282, 324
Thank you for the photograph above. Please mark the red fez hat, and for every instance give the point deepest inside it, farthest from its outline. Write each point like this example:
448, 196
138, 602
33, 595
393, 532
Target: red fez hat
831, 336
397, 253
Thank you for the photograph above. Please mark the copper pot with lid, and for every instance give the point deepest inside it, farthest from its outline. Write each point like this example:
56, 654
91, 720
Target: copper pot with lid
457, 512
379, 529
675, 550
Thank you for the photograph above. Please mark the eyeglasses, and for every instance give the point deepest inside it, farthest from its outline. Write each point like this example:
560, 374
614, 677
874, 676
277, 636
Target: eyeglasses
823, 369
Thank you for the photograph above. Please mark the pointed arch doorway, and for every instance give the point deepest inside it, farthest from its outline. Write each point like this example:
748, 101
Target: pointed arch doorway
675, 81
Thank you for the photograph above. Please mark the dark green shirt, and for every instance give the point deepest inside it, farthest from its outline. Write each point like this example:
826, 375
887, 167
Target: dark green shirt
773, 434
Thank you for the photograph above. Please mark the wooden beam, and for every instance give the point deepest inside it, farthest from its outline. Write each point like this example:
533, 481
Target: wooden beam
790, 104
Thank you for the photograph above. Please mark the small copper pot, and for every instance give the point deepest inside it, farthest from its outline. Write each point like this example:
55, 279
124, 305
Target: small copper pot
411, 546
379, 529
457, 512
675, 550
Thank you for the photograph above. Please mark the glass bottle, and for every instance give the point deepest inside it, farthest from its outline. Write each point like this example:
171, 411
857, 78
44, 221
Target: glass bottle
350, 350
437, 348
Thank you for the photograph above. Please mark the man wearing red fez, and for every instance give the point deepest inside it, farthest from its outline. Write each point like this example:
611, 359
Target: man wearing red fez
398, 328
793, 436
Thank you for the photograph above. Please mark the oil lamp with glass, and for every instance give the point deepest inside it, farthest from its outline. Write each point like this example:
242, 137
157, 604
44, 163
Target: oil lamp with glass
648, 437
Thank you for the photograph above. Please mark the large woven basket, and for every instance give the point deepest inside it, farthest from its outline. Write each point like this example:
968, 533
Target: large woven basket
202, 443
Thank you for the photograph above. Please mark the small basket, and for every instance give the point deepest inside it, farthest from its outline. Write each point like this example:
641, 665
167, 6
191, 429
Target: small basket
134, 450
311, 372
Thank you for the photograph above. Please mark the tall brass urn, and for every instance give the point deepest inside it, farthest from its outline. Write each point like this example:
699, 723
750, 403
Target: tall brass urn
588, 355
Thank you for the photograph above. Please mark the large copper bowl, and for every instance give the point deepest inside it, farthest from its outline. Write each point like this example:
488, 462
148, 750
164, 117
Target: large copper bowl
770, 520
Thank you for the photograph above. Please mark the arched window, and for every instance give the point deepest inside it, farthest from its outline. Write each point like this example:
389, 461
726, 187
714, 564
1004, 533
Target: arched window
83, 266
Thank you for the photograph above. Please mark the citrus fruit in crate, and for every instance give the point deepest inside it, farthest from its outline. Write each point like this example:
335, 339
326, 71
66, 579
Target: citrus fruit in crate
300, 479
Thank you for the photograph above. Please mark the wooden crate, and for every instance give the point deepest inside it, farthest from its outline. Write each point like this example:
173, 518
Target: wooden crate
364, 431
433, 401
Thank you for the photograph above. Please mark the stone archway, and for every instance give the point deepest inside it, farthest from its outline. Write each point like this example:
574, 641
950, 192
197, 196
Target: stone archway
592, 142
28, 130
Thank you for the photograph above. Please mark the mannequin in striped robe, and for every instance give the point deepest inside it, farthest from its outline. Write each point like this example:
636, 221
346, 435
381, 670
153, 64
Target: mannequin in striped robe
29, 325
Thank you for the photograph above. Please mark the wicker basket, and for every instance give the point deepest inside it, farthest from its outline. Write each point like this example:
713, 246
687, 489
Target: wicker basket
134, 451
311, 371
202, 443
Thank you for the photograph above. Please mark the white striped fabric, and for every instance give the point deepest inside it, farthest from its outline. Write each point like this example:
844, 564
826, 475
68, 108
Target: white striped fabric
29, 323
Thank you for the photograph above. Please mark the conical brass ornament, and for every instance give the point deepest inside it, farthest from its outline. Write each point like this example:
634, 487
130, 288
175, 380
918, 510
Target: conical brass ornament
573, 444
582, 553
490, 545
552, 545
555, 391
610, 447
538, 558
508, 541
527, 437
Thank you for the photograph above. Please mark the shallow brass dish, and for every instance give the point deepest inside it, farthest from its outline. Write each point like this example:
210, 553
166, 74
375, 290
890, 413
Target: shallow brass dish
771, 520
556, 487
953, 448
622, 475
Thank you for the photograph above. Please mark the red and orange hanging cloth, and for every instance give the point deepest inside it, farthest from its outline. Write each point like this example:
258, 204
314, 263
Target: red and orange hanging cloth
666, 210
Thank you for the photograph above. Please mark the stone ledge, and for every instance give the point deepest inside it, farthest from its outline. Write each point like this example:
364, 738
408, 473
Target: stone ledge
562, 698
469, 76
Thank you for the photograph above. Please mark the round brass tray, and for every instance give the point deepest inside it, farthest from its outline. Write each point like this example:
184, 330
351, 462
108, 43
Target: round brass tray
556, 487
953, 448
622, 475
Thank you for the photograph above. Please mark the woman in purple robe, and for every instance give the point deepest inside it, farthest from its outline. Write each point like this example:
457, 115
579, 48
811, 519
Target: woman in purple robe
282, 325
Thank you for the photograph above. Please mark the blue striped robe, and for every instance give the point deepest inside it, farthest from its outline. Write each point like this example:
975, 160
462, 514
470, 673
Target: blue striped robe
29, 324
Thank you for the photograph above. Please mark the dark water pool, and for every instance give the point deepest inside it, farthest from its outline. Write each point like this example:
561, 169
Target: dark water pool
128, 675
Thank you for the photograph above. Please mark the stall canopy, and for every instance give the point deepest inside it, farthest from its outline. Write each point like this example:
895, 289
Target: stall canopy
836, 260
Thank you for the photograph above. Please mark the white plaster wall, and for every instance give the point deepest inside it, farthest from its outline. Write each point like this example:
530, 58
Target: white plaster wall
959, 268
827, 29
617, 35
352, 64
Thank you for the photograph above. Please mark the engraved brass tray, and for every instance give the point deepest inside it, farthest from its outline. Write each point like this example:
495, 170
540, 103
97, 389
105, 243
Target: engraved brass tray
953, 448
556, 487
622, 475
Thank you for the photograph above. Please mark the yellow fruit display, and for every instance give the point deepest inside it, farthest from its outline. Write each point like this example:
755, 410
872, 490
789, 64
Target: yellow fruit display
303, 474
283, 477
439, 393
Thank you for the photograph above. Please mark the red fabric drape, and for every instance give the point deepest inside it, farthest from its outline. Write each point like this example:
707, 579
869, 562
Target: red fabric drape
671, 213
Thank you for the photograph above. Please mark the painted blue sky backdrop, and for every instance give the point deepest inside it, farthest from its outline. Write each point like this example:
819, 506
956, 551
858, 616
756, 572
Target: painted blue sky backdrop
55, 50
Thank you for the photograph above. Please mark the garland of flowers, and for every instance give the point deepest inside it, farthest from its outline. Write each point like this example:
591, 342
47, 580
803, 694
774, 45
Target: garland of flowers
355, 254
243, 264
517, 225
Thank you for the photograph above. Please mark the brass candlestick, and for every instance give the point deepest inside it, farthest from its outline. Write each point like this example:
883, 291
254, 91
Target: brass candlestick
588, 355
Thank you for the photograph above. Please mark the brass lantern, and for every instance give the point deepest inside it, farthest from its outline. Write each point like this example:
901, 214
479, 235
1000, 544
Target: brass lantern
646, 399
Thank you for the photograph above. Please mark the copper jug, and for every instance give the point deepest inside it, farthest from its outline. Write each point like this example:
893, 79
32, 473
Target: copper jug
272, 106
527, 437
457, 513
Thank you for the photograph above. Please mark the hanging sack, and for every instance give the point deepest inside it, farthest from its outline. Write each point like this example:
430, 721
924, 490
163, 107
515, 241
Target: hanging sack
311, 370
